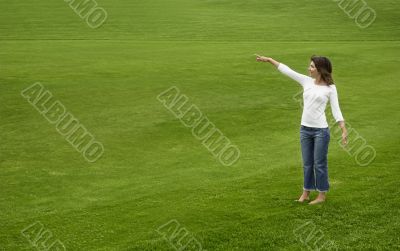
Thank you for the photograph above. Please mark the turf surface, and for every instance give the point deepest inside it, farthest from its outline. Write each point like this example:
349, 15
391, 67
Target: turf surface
153, 170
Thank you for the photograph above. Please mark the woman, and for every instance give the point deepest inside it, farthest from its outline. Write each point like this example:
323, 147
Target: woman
314, 130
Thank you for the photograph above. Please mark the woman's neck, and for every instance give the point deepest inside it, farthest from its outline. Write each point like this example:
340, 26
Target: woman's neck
319, 81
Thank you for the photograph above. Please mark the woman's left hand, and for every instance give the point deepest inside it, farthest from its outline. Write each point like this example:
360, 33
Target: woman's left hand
344, 133
344, 138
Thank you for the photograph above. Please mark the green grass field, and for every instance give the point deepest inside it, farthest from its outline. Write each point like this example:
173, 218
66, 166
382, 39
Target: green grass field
153, 169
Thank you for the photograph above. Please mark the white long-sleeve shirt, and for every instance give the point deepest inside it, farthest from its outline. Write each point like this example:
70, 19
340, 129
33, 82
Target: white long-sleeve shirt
315, 98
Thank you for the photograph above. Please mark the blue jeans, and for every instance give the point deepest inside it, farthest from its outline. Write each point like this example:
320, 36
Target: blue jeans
314, 151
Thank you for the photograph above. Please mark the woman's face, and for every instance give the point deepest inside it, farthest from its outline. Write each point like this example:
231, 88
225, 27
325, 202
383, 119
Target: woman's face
312, 70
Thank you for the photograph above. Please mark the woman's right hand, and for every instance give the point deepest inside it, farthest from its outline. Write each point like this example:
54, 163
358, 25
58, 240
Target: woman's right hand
262, 58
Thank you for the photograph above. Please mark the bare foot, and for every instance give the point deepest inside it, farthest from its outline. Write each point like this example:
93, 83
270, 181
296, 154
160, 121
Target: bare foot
319, 199
304, 196
316, 201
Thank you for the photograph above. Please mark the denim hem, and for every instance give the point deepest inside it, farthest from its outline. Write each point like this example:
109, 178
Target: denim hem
315, 189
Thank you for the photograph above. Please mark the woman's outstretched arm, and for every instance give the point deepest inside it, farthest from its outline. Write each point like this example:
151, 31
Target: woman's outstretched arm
300, 78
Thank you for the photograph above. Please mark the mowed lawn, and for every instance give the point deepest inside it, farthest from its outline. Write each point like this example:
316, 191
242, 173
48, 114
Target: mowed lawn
153, 169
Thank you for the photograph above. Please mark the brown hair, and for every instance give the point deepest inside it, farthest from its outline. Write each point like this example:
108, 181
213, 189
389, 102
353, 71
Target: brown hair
324, 67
